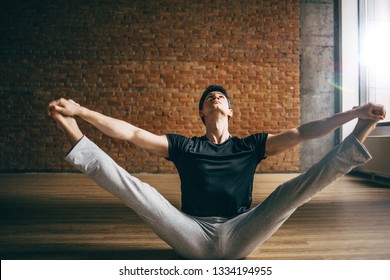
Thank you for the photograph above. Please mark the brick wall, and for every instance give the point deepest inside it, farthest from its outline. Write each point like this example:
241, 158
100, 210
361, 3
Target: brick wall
145, 62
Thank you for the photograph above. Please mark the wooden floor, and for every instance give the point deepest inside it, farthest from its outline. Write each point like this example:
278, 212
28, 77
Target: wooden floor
66, 216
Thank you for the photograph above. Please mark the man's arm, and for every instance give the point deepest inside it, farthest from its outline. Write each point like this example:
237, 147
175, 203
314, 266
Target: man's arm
280, 142
112, 127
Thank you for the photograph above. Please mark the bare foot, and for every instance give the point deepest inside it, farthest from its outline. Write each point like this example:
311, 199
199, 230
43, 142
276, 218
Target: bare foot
69, 126
363, 128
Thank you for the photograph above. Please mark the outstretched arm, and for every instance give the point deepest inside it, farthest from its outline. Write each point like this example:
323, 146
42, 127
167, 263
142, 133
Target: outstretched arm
112, 127
370, 113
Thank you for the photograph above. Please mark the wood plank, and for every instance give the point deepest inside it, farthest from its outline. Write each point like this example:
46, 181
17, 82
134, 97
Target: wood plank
67, 216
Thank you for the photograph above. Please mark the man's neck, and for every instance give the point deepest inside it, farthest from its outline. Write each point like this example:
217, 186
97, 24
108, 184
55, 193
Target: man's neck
218, 131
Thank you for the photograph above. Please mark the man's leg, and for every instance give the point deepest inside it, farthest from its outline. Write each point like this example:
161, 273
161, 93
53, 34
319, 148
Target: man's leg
252, 228
182, 232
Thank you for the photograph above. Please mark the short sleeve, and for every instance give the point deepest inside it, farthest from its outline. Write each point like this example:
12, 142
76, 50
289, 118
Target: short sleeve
261, 144
258, 142
176, 144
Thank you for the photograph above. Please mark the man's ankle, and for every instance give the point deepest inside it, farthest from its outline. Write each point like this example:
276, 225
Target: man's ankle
74, 138
363, 129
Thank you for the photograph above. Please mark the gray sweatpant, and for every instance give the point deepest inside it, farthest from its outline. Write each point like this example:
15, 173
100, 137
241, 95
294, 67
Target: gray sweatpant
215, 237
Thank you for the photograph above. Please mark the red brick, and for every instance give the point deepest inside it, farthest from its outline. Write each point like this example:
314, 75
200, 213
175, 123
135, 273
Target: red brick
147, 64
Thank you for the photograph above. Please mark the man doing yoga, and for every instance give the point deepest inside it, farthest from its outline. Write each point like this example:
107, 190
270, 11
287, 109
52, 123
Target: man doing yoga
216, 220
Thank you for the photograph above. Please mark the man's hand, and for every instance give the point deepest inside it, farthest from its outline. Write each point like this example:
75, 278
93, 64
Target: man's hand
371, 111
64, 107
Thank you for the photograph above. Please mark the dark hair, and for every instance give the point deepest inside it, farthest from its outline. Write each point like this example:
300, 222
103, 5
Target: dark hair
212, 88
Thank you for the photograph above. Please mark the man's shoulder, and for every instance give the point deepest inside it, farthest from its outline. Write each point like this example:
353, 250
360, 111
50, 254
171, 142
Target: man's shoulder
182, 141
254, 137
177, 135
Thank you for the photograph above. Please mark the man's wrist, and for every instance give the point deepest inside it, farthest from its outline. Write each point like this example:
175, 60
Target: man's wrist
82, 112
355, 112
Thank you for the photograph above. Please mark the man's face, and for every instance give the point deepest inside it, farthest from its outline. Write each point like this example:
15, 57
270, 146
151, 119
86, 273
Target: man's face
216, 101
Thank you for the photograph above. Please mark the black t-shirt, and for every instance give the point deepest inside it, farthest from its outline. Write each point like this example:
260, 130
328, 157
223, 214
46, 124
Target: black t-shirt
216, 179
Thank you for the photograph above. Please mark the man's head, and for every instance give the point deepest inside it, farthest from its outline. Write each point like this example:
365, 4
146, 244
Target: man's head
214, 92
210, 89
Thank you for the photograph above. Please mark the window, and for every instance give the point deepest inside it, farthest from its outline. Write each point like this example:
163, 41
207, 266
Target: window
374, 52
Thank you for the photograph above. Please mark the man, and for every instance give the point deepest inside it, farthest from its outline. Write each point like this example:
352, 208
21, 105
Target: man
216, 172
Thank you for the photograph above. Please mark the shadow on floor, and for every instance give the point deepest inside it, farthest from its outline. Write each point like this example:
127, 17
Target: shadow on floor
60, 253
